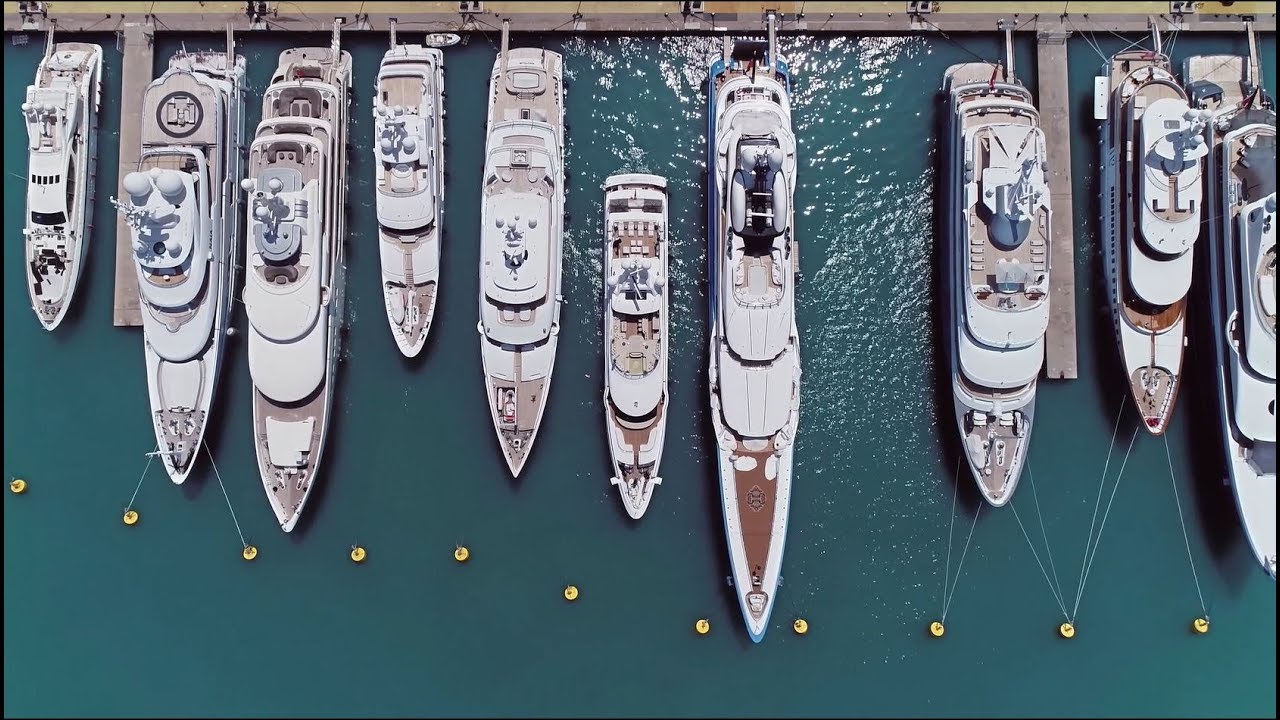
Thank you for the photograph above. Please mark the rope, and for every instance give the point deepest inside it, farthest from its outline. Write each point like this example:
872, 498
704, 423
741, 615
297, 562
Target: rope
139, 486
946, 606
1056, 596
949, 39
1098, 541
1098, 502
218, 475
955, 491
1185, 538
1043, 532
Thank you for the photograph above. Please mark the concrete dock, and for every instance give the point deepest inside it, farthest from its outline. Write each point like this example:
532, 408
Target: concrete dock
136, 75
1055, 119
638, 17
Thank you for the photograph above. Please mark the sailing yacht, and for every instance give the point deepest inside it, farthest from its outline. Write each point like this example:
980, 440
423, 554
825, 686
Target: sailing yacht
1242, 278
183, 212
754, 367
635, 342
408, 117
999, 221
522, 238
295, 272
1152, 150
61, 113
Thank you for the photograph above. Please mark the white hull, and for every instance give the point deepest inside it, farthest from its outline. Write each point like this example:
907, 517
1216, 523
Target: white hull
636, 328
51, 291
411, 78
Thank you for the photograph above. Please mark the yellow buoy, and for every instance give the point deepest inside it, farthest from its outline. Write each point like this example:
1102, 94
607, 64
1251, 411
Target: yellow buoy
17, 486
571, 593
937, 629
1067, 630
1200, 625
130, 517
702, 626
461, 553
801, 626
250, 552
357, 554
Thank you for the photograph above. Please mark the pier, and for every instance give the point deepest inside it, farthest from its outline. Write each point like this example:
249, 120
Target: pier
1055, 120
671, 16
136, 74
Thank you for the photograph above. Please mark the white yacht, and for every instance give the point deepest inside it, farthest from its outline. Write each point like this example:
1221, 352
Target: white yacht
635, 342
754, 368
522, 238
61, 114
1242, 278
294, 271
998, 224
183, 211
408, 117
1152, 149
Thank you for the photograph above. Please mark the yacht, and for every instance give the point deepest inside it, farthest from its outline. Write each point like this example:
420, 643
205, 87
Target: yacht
61, 114
1152, 150
294, 271
522, 209
998, 228
635, 342
408, 117
183, 213
754, 368
1242, 279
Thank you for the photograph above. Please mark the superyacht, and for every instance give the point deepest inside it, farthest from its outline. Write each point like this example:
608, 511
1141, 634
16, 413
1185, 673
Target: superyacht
522, 209
1242, 278
408, 117
183, 213
754, 368
1152, 151
61, 114
635, 333
999, 225
295, 272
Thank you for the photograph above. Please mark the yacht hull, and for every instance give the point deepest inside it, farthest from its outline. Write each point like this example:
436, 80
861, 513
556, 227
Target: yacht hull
51, 286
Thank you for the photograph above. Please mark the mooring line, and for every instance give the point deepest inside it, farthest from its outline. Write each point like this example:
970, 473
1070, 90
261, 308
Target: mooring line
150, 457
955, 491
1097, 503
1045, 533
218, 475
1185, 537
1098, 541
960, 566
1056, 597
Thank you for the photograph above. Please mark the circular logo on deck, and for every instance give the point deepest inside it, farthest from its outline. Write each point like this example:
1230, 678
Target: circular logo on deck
180, 114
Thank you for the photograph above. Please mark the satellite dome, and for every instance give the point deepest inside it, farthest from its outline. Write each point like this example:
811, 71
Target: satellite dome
275, 185
138, 186
246, 184
170, 185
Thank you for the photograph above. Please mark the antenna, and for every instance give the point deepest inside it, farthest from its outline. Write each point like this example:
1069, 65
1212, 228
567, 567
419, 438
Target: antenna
392, 23
48, 41
1255, 69
771, 21
506, 41
1008, 49
336, 42
1155, 35
231, 51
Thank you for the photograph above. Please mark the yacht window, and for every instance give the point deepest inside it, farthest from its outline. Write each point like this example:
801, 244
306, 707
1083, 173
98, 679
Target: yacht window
54, 218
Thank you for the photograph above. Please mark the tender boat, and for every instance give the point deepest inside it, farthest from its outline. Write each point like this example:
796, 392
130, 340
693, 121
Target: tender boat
754, 345
522, 239
408, 116
1242, 279
61, 114
635, 333
295, 271
1152, 196
999, 224
184, 213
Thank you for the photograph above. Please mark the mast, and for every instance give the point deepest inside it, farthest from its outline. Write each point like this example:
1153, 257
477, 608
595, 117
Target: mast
1255, 69
392, 23
231, 52
48, 41
1155, 36
1008, 49
335, 44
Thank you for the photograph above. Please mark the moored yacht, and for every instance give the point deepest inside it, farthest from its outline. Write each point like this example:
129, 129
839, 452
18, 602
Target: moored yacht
294, 271
408, 116
1242, 279
522, 238
1152, 151
998, 232
635, 333
183, 212
61, 114
754, 368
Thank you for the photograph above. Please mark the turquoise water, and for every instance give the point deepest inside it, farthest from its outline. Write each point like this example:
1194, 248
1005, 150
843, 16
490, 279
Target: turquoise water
165, 617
